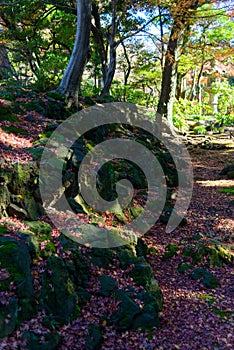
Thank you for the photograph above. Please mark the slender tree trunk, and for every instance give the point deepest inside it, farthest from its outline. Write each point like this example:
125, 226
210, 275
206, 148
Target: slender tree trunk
112, 59
169, 78
99, 40
5, 64
180, 26
192, 94
128, 71
199, 88
71, 81
161, 37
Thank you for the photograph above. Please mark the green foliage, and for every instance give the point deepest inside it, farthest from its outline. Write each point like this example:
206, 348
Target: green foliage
170, 251
200, 130
228, 190
42, 38
185, 108
226, 120
14, 130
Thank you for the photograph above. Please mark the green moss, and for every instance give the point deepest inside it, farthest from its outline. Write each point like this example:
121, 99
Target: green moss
221, 313
39, 228
48, 250
182, 268
228, 190
9, 117
170, 251
14, 130
3, 230
142, 274
207, 279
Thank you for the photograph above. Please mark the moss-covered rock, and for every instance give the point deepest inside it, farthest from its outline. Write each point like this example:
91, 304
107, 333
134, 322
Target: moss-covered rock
23, 179
5, 200
108, 285
5, 175
170, 251
207, 279
58, 296
78, 268
94, 339
6, 111
31, 208
40, 228
15, 258
141, 273
47, 341
182, 268
148, 318
102, 257
8, 317
128, 309
155, 294
127, 255
141, 248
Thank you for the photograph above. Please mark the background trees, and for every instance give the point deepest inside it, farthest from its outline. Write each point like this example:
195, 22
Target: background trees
157, 53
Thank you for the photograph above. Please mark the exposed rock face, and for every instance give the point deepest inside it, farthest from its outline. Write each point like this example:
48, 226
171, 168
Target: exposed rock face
19, 190
63, 284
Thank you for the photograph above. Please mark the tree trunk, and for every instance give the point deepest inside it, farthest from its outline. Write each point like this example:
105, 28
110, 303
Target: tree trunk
99, 40
169, 78
5, 64
192, 94
113, 46
162, 60
71, 81
199, 88
126, 72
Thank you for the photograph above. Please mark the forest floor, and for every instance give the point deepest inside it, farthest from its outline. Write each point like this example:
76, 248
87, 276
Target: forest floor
194, 317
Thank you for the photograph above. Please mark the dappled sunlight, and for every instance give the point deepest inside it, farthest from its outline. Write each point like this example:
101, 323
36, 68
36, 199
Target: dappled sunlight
14, 141
216, 183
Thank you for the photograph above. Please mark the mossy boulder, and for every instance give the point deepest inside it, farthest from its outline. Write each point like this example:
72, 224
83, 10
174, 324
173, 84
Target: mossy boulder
141, 248
8, 317
182, 268
47, 341
123, 319
148, 318
23, 181
102, 257
5, 175
141, 273
32, 242
6, 111
170, 251
32, 208
155, 294
94, 339
78, 267
230, 175
127, 255
58, 296
227, 169
206, 278
108, 285
15, 258
40, 228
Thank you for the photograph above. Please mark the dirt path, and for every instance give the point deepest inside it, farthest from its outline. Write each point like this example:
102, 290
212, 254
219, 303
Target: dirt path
196, 317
